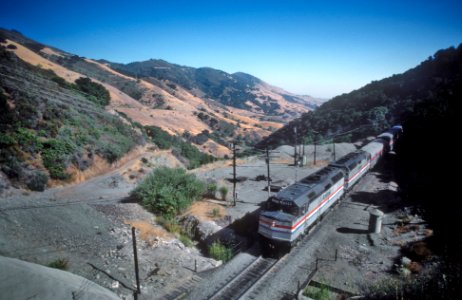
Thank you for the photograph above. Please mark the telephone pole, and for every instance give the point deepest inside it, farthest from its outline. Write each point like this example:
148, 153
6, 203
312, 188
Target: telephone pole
314, 159
268, 169
135, 255
234, 173
333, 142
295, 145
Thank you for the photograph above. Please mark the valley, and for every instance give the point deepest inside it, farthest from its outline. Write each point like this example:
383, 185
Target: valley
80, 135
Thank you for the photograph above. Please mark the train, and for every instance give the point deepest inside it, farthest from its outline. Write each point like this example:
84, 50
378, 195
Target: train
287, 216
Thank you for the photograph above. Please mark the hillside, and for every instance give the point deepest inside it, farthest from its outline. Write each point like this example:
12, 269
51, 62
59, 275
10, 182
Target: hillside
206, 107
51, 129
238, 90
380, 104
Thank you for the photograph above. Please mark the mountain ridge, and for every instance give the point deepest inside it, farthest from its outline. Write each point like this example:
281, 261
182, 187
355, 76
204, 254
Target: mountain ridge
379, 104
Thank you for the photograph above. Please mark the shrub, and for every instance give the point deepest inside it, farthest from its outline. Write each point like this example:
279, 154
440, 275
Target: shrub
318, 293
168, 191
211, 189
224, 192
169, 223
219, 251
55, 156
60, 263
96, 92
186, 240
215, 212
6, 140
37, 181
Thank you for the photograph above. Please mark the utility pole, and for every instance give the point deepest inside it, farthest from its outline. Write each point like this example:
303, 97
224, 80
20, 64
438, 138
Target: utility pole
333, 140
268, 168
234, 173
135, 255
314, 160
295, 145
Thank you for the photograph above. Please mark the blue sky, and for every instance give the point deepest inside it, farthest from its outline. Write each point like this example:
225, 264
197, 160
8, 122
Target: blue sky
319, 48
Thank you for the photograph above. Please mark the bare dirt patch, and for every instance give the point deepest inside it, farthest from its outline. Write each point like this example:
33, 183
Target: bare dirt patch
206, 211
149, 232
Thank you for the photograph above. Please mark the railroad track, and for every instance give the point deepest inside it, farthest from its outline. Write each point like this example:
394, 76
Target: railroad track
245, 279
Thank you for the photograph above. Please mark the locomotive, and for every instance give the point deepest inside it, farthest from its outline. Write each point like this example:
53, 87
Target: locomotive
288, 215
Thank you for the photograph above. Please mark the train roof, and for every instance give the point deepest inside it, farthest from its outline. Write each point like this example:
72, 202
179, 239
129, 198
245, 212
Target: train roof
375, 144
386, 135
310, 187
349, 158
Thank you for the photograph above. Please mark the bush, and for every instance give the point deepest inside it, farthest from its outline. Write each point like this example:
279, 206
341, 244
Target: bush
186, 240
60, 263
318, 293
215, 212
55, 156
224, 192
211, 189
168, 191
169, 223
96, 92
37, 181
219, 251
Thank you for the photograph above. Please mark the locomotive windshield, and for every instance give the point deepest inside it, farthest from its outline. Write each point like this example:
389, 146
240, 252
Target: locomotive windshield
274, 204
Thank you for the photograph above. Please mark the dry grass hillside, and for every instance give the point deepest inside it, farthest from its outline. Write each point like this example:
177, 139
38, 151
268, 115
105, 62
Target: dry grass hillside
170, 106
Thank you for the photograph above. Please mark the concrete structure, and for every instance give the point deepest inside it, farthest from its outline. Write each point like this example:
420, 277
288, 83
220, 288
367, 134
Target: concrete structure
375, 220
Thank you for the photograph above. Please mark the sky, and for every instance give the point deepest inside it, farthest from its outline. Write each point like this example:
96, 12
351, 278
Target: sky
318, 48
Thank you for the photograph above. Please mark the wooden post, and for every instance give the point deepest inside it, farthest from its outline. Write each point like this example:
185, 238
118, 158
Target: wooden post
268, 169
334, 148
314, 159
234, 174
295, 147
135, 255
